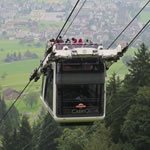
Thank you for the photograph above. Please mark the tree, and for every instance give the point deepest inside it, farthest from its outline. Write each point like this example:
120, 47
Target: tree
120, 102
139, 72
25, 135
10, 140
19, 56
2, 113
11, 121
115, 99
100, 140
136, 128
14, 118
72, 139
4, 33
49, 132
31, 99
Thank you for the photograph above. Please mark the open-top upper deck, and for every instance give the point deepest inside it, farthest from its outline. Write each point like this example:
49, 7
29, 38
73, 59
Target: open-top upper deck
66, 46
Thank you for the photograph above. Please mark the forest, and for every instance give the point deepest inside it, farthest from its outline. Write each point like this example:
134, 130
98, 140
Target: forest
125, 127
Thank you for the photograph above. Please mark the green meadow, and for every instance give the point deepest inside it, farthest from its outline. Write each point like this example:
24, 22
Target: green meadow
16, 74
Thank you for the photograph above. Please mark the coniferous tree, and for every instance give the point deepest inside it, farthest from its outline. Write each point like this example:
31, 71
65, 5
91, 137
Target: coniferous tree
136, 128
72, 139
14, 118
36, 131
5, 122
115, 99
10, 140
139, 75
25, 135
100, 140
2, 112
139, 72
6, 140
49, 132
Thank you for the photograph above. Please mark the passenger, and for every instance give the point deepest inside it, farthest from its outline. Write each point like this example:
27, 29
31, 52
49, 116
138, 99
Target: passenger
101, 47
87, 41
80, 41
68, 41
81, 97
91, 43
74, 41
50, 43
60, 39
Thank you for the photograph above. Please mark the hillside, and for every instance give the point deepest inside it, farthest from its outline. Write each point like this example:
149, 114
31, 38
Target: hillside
27, 26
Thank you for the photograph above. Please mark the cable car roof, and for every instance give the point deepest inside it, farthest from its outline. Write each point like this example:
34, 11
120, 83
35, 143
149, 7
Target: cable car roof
90, 50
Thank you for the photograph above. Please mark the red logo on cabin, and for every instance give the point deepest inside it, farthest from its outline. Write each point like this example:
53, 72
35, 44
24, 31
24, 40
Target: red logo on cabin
81, 106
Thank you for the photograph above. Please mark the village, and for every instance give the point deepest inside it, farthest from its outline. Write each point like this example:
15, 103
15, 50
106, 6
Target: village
99, 21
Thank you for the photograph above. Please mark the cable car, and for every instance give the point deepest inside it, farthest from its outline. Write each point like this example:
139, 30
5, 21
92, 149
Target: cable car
73, 84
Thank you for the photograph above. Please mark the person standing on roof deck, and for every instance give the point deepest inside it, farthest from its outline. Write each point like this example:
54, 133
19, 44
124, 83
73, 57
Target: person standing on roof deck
80, 41
49, 47
67, 41
87, 41
101, 47
74, 41
60, 39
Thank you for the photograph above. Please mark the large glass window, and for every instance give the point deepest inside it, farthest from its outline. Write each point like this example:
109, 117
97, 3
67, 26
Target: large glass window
80, 65
49, 89
80, 100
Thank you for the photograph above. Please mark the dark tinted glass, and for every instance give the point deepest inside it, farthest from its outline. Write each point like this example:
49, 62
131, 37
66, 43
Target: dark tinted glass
80, 100
49, 89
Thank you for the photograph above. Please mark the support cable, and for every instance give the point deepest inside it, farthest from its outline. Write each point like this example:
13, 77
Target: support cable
141, 31
128, 24
131, 42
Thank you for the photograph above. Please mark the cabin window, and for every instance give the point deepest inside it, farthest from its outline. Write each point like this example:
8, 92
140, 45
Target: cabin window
49, 89
80, 100
42, 86
82, 68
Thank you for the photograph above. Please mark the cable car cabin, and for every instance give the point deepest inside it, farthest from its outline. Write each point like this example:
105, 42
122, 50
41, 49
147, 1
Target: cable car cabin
73, 90
73, 87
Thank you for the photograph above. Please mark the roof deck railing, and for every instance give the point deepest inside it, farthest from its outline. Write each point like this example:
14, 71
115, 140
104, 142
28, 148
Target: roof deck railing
62, 46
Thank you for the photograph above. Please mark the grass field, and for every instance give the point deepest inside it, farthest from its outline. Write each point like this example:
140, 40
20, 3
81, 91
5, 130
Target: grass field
17, 73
